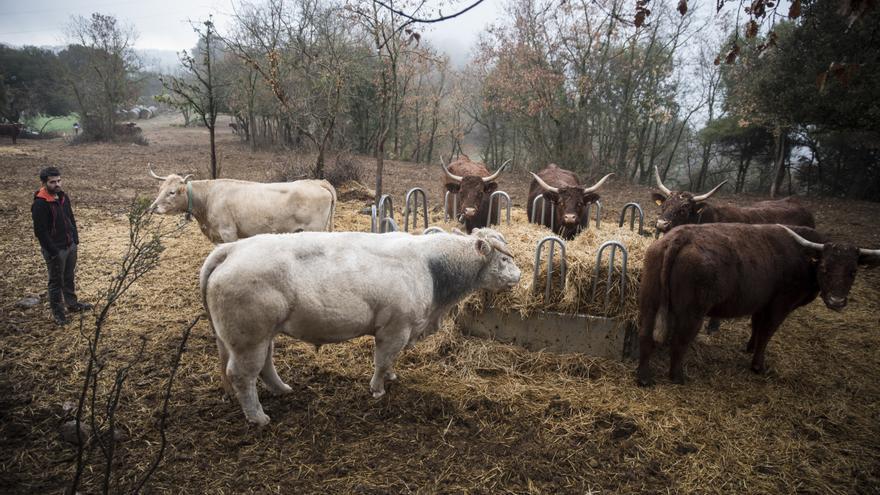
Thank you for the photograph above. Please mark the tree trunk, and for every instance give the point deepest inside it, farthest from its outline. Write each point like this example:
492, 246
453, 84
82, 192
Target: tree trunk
779, 174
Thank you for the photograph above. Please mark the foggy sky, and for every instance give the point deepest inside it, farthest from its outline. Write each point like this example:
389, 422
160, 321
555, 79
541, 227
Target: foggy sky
163, 24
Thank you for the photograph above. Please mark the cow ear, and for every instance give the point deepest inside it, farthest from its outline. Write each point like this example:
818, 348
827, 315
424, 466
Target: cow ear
658, 198
490, 187
483, 247
453, 187
590, 197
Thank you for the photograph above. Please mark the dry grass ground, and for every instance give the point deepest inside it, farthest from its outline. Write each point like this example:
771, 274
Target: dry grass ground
467, 415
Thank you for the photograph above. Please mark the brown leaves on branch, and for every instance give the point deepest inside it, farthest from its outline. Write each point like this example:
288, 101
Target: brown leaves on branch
795, 10
642, 12
682, 7
751, 29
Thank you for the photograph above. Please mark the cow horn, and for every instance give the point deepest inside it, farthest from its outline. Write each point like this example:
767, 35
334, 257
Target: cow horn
187, 177
153, 174
544, 185
497, 172
703, 197
495, 243
803, 242
450, 175
874, 253
598, 184
660, 185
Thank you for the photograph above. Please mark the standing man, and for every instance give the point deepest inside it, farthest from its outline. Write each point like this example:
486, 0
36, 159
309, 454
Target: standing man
55, 227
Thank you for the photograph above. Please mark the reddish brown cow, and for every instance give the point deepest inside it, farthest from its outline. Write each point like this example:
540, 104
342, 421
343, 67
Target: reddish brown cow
12, 130
474, 184
570, 199
682, 207
733, 270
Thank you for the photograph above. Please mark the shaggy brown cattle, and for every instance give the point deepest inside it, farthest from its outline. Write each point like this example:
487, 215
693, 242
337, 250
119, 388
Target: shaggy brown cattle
12, 130
127, 129
571, 201
682, 207
733, 270
474, 184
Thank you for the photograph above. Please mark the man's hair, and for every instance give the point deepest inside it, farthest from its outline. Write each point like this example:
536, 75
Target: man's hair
49, 172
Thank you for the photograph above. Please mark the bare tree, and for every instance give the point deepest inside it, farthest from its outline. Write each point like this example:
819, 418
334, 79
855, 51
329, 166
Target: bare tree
199, 92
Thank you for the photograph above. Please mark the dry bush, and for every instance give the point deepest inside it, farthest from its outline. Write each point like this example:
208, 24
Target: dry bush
344, 169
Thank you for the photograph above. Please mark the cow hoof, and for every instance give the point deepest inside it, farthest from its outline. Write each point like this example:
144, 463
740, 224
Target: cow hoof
759, 370
379, 394
282, 389
645, 382
677, 379
261, 419
391, 376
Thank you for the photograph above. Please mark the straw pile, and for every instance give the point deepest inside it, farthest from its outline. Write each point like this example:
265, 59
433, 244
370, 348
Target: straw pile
576, 296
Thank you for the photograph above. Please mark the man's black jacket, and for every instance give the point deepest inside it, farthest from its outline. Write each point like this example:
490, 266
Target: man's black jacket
54, 224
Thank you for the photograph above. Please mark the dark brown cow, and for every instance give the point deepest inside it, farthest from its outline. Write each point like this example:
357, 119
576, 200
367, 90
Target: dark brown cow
127, 129
570, 199
12, 130
682, 207
734, 270
474, 184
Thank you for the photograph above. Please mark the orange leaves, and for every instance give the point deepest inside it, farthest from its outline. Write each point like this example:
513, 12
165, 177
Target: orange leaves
751, 29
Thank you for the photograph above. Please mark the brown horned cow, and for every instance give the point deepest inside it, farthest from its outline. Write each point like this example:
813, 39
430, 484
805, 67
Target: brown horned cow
11, 130
683, 207
733, 270
474, 185
570, 199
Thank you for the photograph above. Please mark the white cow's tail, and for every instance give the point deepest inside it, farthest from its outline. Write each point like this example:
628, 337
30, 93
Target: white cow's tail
329, 187
214, 260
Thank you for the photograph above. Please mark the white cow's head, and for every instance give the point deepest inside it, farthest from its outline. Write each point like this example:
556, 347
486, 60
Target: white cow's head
501, 272
172, 194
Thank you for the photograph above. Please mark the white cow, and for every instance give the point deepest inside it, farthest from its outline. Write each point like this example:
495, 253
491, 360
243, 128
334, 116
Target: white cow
324, 288
228, 209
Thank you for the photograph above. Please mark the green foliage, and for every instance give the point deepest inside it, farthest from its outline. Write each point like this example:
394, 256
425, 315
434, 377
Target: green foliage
821, 79
54, 124
31, 83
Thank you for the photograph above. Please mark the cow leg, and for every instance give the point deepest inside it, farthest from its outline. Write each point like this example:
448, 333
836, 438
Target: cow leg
244, 366
224, 362
228, 233
644, 376
270, 375
713, 326
686, 329
764, 325
389, 343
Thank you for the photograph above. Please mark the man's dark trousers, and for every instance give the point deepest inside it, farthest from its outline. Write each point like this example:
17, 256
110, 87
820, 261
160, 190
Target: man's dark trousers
61, 269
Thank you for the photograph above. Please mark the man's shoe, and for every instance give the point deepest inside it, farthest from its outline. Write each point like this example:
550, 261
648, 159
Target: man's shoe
79, 306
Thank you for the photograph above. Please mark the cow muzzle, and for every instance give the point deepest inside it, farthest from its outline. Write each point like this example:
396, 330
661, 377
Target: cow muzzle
835, 303
470, 212
662, 225
569, 219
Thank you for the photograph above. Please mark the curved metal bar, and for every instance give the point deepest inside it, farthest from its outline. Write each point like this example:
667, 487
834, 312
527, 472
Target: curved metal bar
598, 212
614, 245
433, 230
413, 195
388, 225
633, 207
543, 211
446, 215
386, 211
499, 194
553, 240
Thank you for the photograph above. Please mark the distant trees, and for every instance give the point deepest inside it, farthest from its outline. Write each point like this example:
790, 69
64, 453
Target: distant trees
31, 83
817, 92
99, 68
